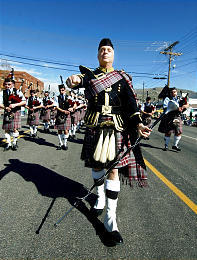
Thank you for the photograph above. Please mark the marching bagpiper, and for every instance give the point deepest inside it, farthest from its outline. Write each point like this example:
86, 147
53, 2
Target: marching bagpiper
172, 122
11, 100
45, 114
63, 119
74, 114
33, 105
113, 123
147, 111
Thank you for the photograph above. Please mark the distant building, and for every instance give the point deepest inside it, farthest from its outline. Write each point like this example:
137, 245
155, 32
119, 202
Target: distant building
27, 79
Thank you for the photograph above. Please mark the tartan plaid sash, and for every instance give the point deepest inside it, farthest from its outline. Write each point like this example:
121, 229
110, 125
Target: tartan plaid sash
98, 85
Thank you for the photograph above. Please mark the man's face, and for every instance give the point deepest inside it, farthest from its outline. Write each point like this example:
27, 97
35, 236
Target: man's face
62, 91
106, 56
8, 85
174, 92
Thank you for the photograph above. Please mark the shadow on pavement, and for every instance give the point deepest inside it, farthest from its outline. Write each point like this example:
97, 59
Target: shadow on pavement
39, 141
150, 146
53, 185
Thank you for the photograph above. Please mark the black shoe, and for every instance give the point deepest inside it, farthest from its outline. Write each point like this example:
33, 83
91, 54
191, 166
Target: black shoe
96, 212
7, 147
59, 147
14, 147
166, 148
65, 148
115, 238
176, 148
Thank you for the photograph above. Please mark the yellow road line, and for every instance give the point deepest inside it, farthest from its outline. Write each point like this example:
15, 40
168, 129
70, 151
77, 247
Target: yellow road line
179, 193
27, 131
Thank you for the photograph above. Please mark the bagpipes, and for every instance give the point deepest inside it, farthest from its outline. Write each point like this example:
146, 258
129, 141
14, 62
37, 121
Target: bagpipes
183, 100
36, 103
13, 99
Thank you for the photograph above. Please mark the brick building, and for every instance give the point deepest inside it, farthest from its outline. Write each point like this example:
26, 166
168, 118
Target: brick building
27, 79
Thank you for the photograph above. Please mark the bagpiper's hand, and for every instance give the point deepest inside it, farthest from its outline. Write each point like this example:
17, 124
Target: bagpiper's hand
144, 130
71, 109
12, 106
8, 109
66, 112
73, 81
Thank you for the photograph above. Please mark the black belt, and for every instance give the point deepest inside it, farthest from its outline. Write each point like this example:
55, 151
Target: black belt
98, 108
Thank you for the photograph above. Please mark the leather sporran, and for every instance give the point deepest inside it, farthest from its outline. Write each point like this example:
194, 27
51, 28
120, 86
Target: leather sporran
43, 112
8, 117
60, 119
31, 117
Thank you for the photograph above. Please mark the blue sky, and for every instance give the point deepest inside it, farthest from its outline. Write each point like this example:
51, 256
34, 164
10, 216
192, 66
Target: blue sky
61, 31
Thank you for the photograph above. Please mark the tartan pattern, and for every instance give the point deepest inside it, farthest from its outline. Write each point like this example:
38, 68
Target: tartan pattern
65, 126
15, 123
134, 171
129, 81
98, 85
35, 121
166, 125
82, 114
74, 117
47, 116
53, 114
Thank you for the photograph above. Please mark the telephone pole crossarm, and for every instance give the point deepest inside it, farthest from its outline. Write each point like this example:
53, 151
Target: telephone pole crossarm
168, 51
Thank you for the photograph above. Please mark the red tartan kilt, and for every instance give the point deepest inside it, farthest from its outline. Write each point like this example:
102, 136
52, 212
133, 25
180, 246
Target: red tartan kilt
53, 114
82, 114
74, 117
166, 125
47, 116
15, 123
134, 170
35, 121
66, 125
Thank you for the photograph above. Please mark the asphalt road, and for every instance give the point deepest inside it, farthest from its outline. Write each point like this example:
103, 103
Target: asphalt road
38, 185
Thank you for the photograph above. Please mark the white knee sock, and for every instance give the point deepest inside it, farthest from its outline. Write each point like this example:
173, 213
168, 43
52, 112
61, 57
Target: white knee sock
8, 139
112, 189
60, 139
31, 130
15, 136
65, 139
176, 140
100, 190
35, 129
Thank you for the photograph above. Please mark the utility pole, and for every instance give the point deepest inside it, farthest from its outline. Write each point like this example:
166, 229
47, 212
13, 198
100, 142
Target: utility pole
143, 93
168, 51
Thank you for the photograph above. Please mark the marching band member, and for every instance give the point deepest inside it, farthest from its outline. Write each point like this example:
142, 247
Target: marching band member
73, 115
113, 121
147, 111
33, 105
172, 122
48, 103
63, 119
11, 100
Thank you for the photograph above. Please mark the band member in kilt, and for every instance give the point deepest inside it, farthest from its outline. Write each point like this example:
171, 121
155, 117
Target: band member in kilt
53, 114
172, 122
45, 114
113, 124
11, 101
63, 119
147, 111
80, 107
74, 115
33, 105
